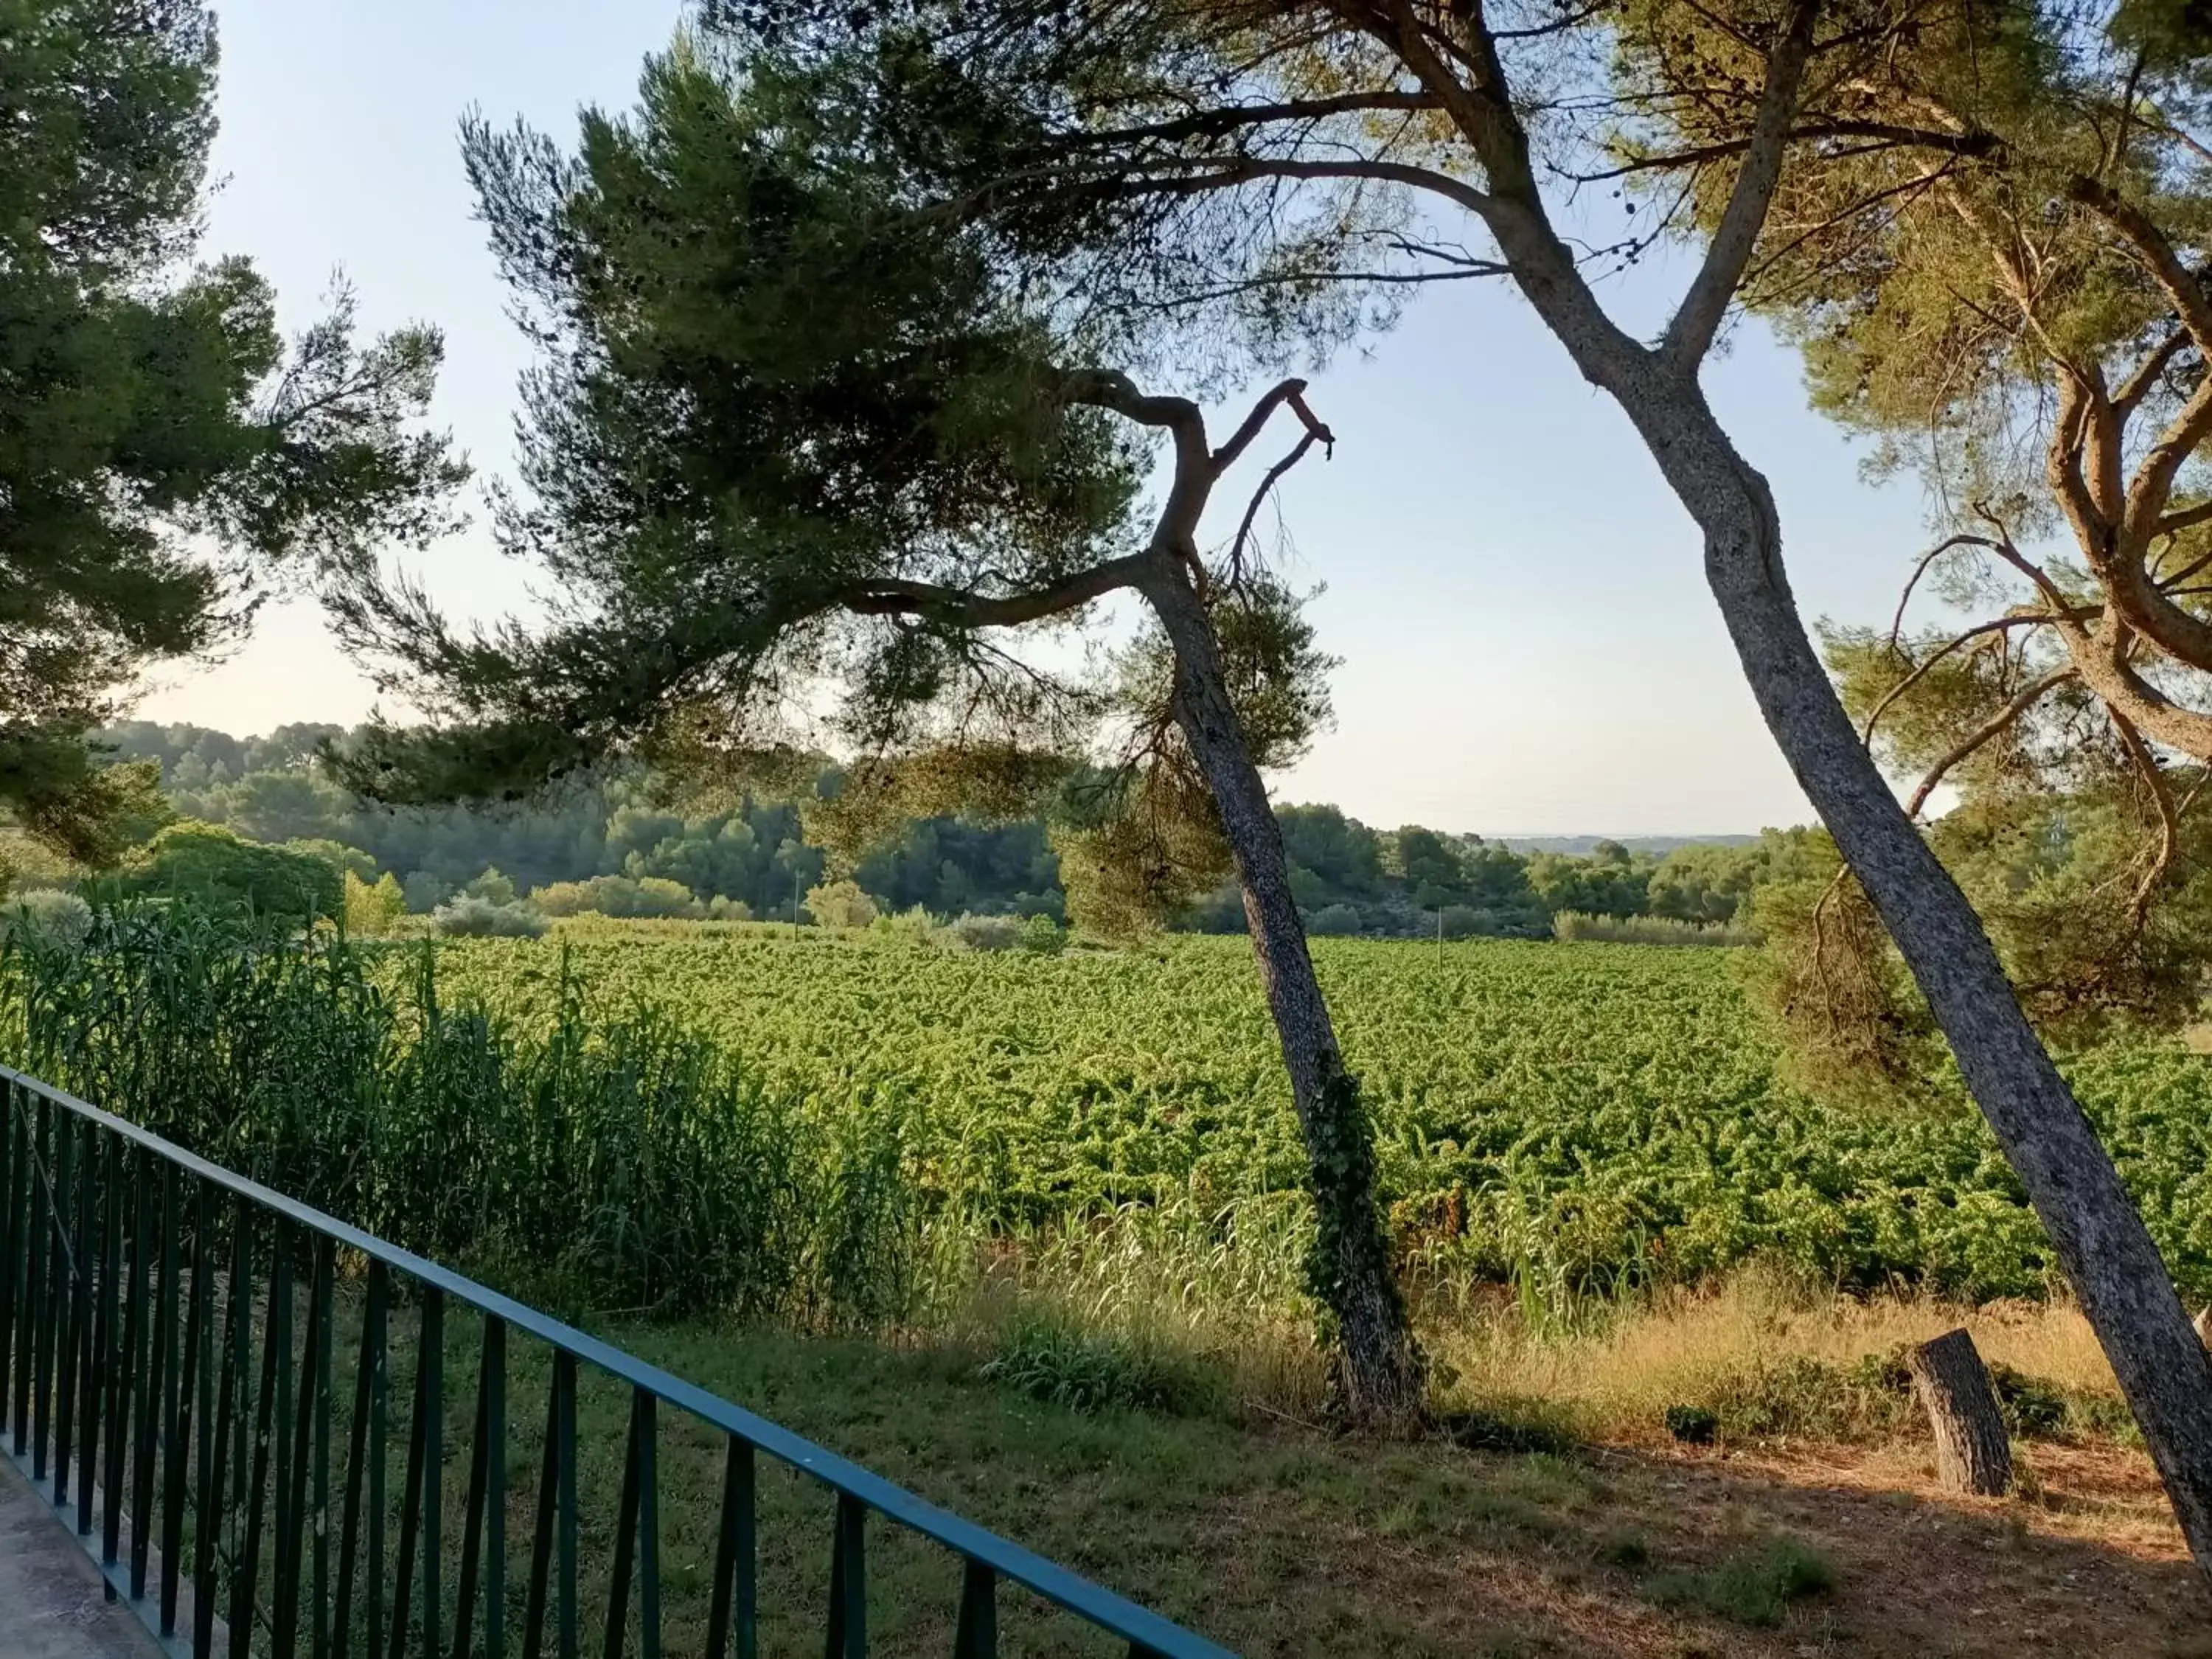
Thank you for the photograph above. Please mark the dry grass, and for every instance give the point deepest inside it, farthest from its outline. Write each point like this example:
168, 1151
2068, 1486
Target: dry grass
1612, 1376
1776, 1360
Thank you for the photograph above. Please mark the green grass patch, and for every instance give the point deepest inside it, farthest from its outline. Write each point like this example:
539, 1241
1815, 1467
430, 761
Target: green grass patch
1754, 1587
1048, 1358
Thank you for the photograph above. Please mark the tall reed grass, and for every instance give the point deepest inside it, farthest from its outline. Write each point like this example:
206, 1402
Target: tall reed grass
622, 1163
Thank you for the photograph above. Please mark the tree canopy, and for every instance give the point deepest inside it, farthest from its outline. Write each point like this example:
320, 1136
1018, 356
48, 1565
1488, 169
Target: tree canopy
590, 846
1990, 256
805, 449
159, 443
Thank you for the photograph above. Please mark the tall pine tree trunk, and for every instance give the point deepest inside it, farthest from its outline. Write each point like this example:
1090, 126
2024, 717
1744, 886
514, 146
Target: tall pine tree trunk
2106, 1252
1382, 1372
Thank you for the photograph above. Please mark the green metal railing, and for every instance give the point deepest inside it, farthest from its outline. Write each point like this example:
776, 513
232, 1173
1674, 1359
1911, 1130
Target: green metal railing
133, 1275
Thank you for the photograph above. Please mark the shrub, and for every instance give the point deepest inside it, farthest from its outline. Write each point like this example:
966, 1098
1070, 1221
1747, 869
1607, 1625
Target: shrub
1043, 936
47, 916
210, 866
492, 887
984, 932
424, 891
914, 923
1804, 1397
628, 1160
622, 897
722, 908
1693, 1425
373, 909
1333, 920
471, 917
562, 898
340, 857
1574, 925
839, 904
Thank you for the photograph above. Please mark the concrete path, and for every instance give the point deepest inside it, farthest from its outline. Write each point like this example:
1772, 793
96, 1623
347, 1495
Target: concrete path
53, 1603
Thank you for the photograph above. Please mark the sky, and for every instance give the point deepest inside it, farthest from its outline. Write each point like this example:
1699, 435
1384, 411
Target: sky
1527, 646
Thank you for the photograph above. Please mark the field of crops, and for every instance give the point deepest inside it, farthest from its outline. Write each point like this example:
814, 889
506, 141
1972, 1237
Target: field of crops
1571, 1117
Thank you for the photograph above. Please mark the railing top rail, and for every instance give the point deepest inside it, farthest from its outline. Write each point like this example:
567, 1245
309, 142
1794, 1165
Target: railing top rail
1103, 1607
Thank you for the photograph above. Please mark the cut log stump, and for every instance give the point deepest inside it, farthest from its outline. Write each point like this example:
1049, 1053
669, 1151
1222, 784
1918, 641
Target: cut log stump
1974, 1454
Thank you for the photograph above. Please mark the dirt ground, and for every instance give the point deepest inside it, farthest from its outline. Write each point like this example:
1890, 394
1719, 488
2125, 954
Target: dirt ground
2085, 1561
1285, 1540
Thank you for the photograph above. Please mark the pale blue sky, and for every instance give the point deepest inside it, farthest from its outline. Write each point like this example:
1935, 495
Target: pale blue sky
1528, 643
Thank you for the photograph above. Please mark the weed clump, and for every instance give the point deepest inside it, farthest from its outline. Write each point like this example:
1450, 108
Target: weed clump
1693, 1425
1049, 1360
1755, 1588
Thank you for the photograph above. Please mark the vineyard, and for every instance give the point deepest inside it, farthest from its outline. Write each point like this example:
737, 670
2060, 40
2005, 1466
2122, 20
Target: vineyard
1569, 1118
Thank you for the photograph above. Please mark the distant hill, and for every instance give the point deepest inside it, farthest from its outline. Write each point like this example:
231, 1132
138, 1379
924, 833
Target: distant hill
1581, 846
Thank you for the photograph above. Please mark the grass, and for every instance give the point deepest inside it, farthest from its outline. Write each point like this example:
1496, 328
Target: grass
1276, 1538
1767, 1356
1754, 1587
1129, 1389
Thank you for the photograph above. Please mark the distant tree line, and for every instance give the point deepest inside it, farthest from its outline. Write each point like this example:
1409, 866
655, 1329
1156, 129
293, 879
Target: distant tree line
608, 845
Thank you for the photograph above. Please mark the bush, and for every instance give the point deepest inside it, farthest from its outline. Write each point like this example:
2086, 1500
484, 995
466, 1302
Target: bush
1755, 1588
839, 904
470, 917
915, 923
424, 892
1335, 920
373, 909
721, 909
622, 897
340, 857
983, 932
1574, 925
492, 887
1693, 1425
1043, 936
46, 915
210, 866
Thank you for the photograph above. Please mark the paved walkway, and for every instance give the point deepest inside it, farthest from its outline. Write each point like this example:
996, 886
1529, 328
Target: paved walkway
52, 1605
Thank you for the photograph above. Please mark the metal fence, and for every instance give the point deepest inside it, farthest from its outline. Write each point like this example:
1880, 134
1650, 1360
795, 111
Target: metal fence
169, 1343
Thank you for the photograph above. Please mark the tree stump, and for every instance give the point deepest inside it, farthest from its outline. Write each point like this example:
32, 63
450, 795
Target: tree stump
1972, 1452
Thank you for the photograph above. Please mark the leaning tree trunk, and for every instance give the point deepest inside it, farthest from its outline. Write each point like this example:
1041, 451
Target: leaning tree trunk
2106, 1252
1974, 1454
1382, 1372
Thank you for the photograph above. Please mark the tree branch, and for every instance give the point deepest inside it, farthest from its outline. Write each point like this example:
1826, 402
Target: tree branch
2171, 585
1234, 117
2169, 819
1948, 543
2003, 548
2145, 374
1240, 439
2025, 699
2188, 518
1248, 169
1997, 625
1690, 335
1185, 421
1311, 437
890, 596
1879, 135
2180, 285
